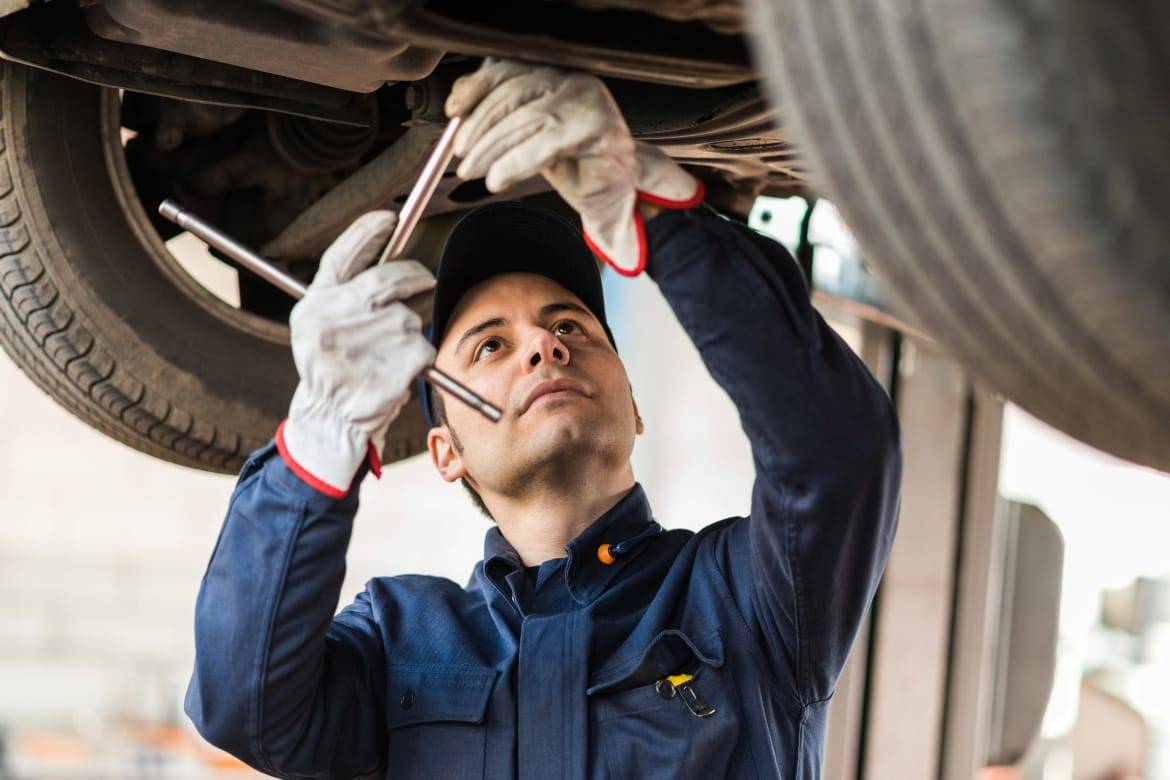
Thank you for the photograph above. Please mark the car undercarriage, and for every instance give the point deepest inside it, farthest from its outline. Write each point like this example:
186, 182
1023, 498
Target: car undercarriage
283, 121
1003, 171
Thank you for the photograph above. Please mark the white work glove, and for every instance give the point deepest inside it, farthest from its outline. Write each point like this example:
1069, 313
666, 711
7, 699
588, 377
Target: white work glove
357, 349
522, 120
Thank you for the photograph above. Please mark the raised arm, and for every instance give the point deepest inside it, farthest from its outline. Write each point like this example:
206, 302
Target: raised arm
279, 681
824, 437
823, 433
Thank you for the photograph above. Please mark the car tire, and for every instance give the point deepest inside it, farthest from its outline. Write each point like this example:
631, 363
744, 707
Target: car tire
1004, 165
95, 310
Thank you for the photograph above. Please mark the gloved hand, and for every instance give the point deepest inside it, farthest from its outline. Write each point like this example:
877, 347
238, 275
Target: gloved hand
357, 349
528, 119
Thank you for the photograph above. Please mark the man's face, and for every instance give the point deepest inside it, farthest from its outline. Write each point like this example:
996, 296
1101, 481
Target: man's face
531, 347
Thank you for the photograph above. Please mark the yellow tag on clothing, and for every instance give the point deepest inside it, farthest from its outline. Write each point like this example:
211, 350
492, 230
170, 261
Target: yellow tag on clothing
679, 679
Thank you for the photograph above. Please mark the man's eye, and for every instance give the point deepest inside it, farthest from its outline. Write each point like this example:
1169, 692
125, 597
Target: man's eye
493, 343
565, 327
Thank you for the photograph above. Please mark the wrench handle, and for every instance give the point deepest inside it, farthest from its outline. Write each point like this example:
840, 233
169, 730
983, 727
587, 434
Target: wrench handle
215, 237
423, 190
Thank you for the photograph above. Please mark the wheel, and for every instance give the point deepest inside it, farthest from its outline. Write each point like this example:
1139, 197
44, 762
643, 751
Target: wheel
100, 314
1004, 164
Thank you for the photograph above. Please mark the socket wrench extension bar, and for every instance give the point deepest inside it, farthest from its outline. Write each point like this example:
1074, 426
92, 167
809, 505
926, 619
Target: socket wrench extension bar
412, 210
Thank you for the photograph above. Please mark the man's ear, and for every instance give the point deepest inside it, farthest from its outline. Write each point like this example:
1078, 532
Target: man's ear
639, 427
444, 455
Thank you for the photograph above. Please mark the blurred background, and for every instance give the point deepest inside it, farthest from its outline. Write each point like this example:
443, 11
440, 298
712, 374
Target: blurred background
1023, 628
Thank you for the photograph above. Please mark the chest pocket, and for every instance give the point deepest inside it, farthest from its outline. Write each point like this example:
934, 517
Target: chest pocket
435, 720
644, 728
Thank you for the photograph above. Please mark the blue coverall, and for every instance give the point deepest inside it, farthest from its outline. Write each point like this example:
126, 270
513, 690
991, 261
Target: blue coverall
557, 675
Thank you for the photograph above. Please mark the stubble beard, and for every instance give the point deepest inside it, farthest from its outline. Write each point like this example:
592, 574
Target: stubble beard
564, 458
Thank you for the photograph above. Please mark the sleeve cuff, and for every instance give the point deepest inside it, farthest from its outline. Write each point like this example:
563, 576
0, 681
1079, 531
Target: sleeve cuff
320, 485
635, 245
374, 460
639, 253
675, 205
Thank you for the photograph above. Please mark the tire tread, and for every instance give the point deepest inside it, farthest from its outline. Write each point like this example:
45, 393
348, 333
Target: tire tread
41, 331
883, 99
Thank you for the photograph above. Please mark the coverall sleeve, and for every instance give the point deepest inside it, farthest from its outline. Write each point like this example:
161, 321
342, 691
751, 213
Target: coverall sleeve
279, 682
825, 442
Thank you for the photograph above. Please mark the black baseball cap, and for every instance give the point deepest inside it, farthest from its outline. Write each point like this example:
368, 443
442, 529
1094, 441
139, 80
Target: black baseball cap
506, 237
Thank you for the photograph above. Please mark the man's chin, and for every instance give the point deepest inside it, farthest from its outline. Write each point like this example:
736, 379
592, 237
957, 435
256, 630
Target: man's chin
563, 443
554, 430
556, 425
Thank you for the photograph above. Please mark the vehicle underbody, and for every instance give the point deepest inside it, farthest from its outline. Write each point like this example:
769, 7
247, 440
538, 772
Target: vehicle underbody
281, 121
1003, 167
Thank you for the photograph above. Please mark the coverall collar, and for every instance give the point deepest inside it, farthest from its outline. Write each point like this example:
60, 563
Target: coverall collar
586, 576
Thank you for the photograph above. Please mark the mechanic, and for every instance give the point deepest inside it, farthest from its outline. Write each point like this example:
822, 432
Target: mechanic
590, 641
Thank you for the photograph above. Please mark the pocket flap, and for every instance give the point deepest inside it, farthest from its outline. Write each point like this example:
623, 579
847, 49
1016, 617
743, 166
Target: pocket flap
666, 653
419, 693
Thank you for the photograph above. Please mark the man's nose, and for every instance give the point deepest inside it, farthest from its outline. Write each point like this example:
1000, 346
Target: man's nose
543, 347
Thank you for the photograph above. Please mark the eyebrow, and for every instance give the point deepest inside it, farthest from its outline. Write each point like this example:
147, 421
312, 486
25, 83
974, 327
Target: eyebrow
495, 322
555, 306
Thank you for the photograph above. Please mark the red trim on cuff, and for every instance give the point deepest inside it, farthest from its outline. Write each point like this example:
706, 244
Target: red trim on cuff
667, 203
375, 461
640, 227
300, 470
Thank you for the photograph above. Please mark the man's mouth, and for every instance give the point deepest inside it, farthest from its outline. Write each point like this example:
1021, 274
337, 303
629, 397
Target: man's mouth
551, 389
